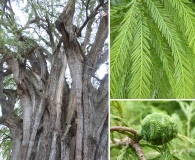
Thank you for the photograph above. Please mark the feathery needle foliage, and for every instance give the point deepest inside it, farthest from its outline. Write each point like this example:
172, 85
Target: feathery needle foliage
120, 48
152, 49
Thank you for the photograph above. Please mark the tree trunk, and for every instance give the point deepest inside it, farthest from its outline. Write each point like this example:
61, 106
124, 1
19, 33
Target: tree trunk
59, 121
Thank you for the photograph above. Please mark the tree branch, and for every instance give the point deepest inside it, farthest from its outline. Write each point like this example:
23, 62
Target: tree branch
121, 128
128, 141
87, 35
93, 14
87, 6
49, 31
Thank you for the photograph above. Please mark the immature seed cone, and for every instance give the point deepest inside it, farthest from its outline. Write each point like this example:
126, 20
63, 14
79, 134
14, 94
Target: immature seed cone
158, 128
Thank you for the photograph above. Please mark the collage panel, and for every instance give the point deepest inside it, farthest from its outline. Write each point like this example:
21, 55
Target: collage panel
152, 130
152, 49
54, 79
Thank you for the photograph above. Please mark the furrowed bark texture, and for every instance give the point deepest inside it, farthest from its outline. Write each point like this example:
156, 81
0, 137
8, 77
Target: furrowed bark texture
59, 121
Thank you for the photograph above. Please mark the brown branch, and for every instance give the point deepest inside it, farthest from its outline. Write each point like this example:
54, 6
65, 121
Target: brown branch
87, 6
128, 141
87, 35
93, 14
121, 128
49, 31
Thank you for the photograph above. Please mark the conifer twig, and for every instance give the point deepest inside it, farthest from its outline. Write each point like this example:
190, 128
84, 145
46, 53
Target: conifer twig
122, 128
128, 141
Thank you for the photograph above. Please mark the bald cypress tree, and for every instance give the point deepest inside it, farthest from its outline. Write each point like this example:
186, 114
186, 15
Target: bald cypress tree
53, 92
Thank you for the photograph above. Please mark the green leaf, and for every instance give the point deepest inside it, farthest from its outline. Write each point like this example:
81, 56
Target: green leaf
140, 82
121, 50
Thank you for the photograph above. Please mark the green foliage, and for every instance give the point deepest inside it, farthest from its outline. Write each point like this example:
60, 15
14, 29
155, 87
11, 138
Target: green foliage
9, 82
139, 115
5, 142
152, 49
189, 111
